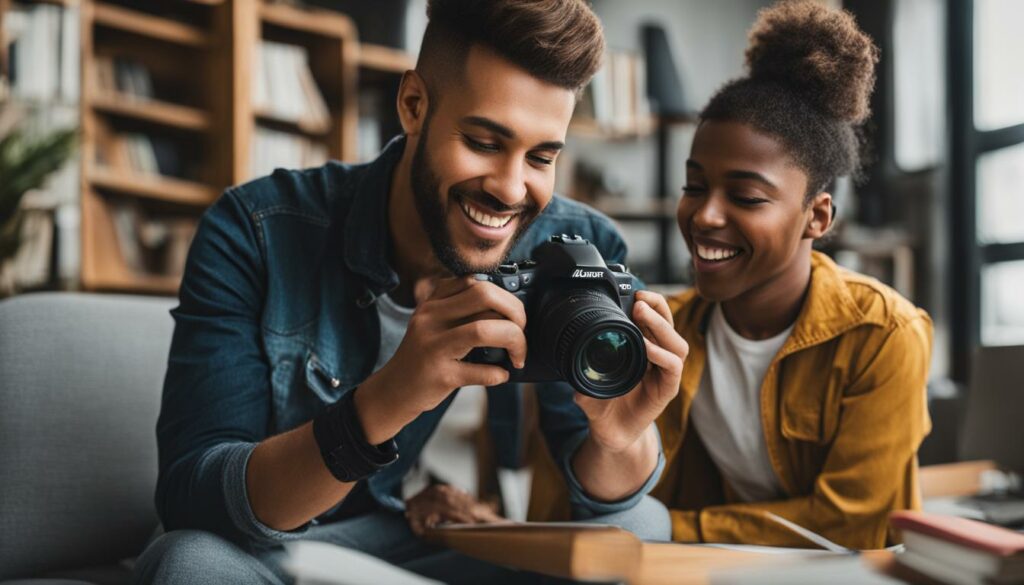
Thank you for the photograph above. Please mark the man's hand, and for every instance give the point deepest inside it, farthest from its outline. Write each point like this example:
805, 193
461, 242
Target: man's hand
458, 315
616, 424
445, 503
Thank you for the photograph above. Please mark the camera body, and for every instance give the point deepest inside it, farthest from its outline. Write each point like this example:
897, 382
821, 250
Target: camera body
578, 325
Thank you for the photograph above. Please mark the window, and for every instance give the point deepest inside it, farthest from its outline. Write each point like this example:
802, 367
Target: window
986, 88
1002, 321
1000, 189
919, 83
998, 74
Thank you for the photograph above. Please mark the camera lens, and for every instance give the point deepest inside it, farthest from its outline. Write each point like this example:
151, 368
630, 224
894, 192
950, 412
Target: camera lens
593, 345
605, 356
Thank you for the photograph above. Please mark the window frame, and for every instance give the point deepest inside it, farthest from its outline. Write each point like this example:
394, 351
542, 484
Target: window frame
967, 145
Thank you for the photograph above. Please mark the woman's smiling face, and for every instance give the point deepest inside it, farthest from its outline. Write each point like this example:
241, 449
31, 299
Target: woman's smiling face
743, 213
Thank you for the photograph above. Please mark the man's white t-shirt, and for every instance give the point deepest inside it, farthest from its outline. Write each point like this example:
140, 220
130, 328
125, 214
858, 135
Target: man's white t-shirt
727, 409
443, 456
394, 321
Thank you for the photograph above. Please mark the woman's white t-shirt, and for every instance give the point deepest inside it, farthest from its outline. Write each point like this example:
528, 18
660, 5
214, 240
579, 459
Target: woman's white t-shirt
727, 409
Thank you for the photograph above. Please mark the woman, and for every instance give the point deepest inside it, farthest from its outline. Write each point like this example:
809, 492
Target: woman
803, 396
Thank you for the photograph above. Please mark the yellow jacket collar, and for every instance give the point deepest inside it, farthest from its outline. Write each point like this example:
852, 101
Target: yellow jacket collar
829, 310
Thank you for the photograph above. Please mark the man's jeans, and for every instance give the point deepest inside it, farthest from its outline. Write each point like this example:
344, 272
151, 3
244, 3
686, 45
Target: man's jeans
197, 557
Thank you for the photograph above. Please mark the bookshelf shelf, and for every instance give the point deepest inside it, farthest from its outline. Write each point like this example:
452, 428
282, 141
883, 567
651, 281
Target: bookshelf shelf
148, 25
385, 59
166, 189
589, 128
271, 120
646, 210
155, 111
316, 22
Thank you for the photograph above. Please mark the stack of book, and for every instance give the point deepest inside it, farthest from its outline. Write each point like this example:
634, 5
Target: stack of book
44, 52
284, 88
959, 551
616, 98
151, 245
139, 153
125, 76
272, 149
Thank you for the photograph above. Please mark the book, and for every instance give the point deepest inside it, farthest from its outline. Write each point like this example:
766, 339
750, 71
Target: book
273, 149
961, 531
970, 559
70, 47
43, 51
589, 552
943, 571
321, 563
615, 100
831, 570
133, 79
960, 550
283, 88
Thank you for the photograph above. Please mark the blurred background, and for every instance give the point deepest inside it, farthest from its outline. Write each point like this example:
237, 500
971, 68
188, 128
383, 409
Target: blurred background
120, 121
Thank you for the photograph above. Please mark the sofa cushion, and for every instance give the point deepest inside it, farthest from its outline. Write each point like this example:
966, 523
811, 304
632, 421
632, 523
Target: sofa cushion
80, 385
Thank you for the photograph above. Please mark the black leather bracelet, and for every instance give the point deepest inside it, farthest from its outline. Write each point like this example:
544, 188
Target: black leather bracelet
343, 445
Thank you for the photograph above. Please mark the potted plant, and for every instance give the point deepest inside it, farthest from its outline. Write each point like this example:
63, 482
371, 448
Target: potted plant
25, 162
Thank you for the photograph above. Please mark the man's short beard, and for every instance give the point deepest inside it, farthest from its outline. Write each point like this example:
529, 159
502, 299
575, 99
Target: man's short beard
426, 188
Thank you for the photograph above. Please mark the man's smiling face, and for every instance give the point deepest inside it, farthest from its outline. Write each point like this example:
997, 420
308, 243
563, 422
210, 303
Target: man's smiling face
483, 167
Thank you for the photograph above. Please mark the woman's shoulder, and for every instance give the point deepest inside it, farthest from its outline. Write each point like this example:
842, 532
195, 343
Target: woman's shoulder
877, 301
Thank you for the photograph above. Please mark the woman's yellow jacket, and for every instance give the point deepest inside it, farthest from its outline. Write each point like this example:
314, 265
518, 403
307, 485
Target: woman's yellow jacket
843, 408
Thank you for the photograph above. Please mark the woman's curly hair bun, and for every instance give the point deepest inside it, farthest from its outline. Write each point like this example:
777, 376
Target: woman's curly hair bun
817, 51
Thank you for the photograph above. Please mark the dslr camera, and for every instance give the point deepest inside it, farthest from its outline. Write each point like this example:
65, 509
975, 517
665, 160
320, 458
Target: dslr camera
578, 328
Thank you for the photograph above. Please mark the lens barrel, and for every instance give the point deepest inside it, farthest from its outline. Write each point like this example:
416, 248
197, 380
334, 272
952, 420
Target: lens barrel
593, 344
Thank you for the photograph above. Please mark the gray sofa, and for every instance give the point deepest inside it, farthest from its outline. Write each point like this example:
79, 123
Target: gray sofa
80, 383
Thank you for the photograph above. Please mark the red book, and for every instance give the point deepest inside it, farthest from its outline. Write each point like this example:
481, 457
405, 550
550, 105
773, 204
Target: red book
958, 551
962, 531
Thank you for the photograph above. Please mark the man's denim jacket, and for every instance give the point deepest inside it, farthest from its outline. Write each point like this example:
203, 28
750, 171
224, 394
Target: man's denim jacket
277, 320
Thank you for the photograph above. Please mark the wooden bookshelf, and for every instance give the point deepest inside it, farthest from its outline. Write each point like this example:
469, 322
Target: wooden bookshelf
178, 54
200, 55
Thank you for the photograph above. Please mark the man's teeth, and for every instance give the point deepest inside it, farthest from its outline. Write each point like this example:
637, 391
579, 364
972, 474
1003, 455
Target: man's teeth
485, 219
706, 253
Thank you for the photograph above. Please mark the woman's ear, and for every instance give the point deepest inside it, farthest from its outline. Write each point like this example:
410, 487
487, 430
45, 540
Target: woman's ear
413, 102
819, 218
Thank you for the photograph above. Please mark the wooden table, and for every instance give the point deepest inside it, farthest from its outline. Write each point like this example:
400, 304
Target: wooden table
584, 555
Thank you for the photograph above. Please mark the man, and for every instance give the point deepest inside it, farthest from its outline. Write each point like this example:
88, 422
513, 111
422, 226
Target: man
324, 313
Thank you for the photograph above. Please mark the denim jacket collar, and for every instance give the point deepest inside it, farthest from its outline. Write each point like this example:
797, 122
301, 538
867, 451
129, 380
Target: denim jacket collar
367, 242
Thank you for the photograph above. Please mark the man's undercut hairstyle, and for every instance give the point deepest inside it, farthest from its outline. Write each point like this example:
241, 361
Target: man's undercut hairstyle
560, 42
811, 74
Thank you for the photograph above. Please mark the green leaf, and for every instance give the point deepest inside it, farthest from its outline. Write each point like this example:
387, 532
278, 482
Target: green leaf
25, 163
